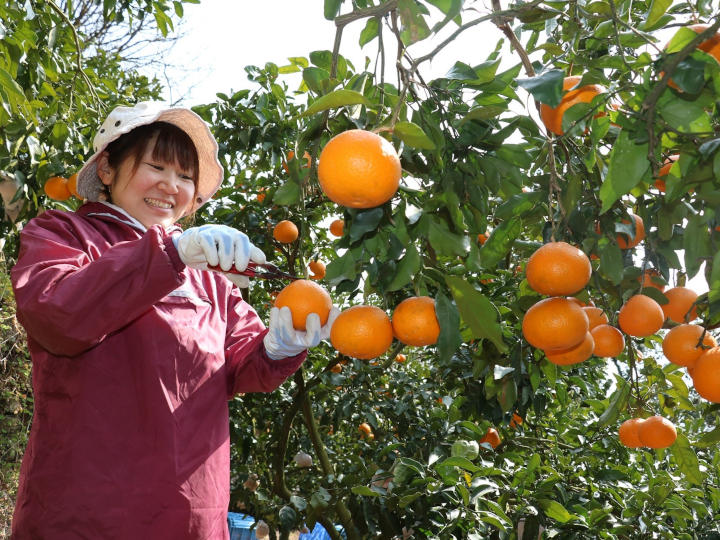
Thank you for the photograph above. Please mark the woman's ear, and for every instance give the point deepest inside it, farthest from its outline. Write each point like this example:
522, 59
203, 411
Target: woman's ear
104, 171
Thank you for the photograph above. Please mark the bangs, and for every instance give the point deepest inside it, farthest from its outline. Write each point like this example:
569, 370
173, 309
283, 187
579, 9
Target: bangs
173, 145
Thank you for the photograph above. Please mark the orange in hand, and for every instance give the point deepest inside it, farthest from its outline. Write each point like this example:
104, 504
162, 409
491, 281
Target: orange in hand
304, 297
57, 188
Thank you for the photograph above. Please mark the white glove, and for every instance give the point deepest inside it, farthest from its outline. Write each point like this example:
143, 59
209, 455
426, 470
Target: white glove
213, 245
283, 341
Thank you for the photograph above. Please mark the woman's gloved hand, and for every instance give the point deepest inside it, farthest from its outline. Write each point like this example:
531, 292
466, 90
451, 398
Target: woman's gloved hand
212, 245
283, 341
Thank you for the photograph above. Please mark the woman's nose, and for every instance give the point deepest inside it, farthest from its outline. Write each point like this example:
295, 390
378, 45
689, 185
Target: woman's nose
170, 182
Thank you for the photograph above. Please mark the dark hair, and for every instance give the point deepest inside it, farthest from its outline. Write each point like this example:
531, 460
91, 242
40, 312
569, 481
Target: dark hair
172, 145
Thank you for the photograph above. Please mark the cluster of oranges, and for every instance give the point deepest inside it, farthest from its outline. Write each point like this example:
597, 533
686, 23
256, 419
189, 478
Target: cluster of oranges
653, 432
363, 331
60, 188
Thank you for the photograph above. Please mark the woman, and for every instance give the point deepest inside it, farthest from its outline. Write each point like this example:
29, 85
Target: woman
136, 348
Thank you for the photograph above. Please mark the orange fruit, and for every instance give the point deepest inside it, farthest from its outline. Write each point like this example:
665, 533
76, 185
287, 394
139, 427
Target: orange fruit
579, 302
337, 368
626, 242
56, 188
609, 341
359, 169
682, 346
414, 321
363, 332
710, 46
516, 420
595, 315
552, 116
628, 433
657, 432
664, 171
401, 358
648, 279
482, 238
72, 186
260, 197
640, 316
558, 269
318, 269
706, 375
681, 301
337, 227
285, 232
574, 355
555, 324
365, 430
291, 155
491, 437
304, 297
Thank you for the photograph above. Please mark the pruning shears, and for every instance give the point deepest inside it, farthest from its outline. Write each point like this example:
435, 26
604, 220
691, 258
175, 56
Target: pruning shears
258, 270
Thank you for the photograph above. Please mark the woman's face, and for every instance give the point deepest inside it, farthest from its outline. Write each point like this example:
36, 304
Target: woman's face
157, 193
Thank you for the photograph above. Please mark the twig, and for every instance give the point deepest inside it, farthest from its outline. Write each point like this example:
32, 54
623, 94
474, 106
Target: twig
504, 26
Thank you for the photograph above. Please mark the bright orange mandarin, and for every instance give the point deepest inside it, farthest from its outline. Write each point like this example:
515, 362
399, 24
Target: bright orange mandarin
359, 169
363, 332
640, 316
626, 242
337, 227
56, 188
682, 346
304, 297
609, 341
72, 186
491, 437
663, 172
558, 269
318, 269
648, 279
706, 375
285, 232
555, 324
680, 303
516, 420
552, 116
482, 238
414, 321
401, 358
628, 433
657, 432
366, 431
595, 315
575, 355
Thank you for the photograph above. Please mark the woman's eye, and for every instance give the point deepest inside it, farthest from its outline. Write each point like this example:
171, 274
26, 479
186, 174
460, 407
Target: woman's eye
156, 167
186, 177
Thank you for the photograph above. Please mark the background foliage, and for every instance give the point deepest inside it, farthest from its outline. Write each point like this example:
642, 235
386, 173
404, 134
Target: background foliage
475, 160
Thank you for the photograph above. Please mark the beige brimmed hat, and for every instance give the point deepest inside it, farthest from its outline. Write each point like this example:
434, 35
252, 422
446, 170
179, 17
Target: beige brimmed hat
124, 119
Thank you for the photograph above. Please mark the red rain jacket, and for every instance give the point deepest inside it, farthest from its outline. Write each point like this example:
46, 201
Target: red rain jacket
134, 359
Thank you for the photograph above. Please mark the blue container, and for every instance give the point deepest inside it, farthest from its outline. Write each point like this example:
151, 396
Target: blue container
240, 529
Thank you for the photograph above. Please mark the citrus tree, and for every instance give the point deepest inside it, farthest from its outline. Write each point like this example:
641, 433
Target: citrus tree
568, 391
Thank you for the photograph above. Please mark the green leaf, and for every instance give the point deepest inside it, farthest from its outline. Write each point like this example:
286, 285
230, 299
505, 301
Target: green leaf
317, 79
685, 116
10, 89
546, 88
413, 135
555, 510
334, 100
444, 241
611, 261
331, 9
681, 38
476, 311
406, 269
710, 438
657, 10
687, 461
364, 491
370, 31
618, 401
449, 319
519, 204
689, 75
465, 449
341, 269
500, 242
697, 244
458, 461
414, 27
298, 502
507, 396
287, 516
288, 194
628, 166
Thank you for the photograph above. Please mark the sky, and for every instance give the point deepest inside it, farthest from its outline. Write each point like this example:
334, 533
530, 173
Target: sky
221, 37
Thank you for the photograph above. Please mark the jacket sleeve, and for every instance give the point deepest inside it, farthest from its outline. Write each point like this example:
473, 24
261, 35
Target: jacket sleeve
248, 366
68, 300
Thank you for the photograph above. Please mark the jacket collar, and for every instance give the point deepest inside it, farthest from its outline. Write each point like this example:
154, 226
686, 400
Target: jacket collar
109, 211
